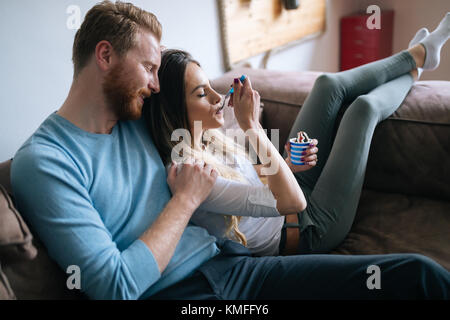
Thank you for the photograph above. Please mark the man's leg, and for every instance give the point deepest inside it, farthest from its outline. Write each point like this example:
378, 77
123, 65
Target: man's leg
393, 276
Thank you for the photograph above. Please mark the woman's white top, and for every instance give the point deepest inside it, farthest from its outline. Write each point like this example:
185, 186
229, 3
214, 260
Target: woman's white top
261, 222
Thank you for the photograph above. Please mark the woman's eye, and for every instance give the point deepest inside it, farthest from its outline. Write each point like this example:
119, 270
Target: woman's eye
202, 95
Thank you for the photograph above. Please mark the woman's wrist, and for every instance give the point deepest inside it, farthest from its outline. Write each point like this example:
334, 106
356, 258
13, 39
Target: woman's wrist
250, 125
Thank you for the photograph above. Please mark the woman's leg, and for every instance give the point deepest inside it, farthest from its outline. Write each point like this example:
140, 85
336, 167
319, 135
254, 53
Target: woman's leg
318, 114
334, 199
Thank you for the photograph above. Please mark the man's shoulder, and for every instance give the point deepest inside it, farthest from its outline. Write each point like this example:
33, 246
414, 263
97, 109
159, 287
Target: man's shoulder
41, 144
36, 155
41, 149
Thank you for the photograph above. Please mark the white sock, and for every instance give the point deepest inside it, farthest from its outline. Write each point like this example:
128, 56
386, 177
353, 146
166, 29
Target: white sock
434, 42
420, 35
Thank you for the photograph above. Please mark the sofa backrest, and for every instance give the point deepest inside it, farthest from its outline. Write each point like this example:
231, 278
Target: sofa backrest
26, 269
410, 151
5, 169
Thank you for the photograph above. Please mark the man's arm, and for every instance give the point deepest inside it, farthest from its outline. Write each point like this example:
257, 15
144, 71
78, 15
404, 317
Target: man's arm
51, 194
190, 188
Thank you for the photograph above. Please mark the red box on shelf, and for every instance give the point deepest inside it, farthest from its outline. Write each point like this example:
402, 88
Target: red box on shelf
361, 45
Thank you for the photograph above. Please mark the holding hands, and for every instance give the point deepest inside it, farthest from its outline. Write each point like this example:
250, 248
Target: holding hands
192, 180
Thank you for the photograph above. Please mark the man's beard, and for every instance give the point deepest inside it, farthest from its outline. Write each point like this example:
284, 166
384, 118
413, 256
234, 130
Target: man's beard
122, 96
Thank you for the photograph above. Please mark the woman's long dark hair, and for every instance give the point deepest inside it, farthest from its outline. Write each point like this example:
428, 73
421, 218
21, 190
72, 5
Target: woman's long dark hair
166, 111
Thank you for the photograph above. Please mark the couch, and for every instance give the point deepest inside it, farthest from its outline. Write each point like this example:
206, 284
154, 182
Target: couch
404, 206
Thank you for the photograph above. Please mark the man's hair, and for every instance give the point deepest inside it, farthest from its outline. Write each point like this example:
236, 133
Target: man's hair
118, 23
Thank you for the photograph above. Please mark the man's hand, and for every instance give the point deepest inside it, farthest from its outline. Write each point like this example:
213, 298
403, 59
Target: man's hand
193, 182
190, 187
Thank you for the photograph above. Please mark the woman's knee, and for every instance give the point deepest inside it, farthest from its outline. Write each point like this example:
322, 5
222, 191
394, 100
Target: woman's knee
365, 106
327, 82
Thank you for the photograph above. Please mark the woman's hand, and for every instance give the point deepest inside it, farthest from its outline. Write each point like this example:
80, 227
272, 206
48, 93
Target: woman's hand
246, 103
310, 157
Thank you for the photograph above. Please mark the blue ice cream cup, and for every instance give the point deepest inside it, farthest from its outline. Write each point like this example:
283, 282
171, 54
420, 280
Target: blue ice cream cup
297, 148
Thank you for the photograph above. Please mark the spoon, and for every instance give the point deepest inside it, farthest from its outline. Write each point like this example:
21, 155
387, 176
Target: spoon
242, 78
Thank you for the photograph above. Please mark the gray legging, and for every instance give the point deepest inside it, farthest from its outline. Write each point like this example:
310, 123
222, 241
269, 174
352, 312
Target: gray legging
333, 187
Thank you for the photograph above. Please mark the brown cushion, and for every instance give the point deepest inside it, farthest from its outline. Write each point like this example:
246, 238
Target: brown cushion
398, 223
15, 237
40, 278
410, 151
280, 86
6, 292
5, 169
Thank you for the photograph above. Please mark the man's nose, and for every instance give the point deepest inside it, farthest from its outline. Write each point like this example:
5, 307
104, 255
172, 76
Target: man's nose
154, 86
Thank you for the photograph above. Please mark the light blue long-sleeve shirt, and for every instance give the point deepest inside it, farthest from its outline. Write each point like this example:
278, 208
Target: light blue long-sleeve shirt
89, 197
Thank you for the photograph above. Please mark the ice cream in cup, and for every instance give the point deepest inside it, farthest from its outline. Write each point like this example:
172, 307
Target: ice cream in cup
298, 146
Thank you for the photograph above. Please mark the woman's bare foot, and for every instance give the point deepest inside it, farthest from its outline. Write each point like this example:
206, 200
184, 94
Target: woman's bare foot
418, 53
415, 74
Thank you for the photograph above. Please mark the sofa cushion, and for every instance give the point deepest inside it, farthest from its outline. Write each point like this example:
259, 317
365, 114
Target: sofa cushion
5, 170
410, 151
15, 237
398, 223
282, 94
40, 278
6, 292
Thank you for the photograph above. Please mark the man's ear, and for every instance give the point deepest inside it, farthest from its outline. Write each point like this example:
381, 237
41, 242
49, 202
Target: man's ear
104, 55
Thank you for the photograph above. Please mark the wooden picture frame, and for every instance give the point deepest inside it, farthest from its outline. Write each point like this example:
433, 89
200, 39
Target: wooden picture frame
251, 27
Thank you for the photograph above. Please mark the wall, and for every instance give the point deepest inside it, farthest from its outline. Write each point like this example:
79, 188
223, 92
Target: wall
35, 60
36, 68
320, 53
410, 16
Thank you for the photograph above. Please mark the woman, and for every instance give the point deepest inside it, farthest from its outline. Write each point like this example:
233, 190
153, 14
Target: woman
331, 187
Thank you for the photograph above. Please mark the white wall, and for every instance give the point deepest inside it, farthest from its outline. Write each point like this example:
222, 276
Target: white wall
36, 49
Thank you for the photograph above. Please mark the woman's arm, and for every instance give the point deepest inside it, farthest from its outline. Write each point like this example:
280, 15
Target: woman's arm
236, 198
281, 181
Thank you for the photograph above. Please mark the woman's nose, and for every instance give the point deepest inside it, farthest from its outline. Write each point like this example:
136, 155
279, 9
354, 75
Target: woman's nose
217, 98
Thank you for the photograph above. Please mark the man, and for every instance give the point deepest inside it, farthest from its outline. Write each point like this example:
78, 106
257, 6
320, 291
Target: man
98, 195
91, 184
